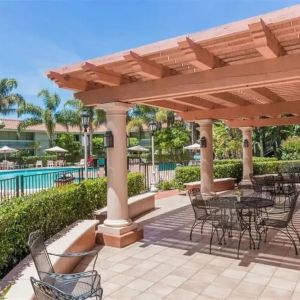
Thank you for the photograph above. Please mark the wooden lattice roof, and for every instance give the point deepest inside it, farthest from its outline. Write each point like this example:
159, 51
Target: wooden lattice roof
247, 73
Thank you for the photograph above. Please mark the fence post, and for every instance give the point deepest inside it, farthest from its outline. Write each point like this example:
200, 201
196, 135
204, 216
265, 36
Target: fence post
105, 167
17, 186
80, 174
21, 184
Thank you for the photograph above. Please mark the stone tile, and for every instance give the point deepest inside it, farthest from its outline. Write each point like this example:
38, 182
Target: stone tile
295, 296
125, 293
257, 278
205, 277
182, 294
122, 279
275, 293
249, 289
194, 285
216, 291
234, 273
185, 271
226, 282
263, 269
119, 267
282, 284
147, 296
140, 284
287, 274
109, 288
173, 280
160, 289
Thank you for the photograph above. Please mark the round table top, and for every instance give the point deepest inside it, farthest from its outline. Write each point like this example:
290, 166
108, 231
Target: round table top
245, 202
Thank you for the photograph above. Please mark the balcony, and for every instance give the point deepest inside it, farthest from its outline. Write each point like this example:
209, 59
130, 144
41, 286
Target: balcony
18, 144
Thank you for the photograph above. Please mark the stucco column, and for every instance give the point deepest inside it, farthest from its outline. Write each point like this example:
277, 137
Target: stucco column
206, 159
247, 154
117, 193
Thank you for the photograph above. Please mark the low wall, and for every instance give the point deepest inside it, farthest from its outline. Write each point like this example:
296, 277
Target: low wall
220, 184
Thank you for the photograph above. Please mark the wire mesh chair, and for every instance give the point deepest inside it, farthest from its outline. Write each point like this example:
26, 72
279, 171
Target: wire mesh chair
200, 209
263, 186
227, 217
45, 291
280, 224
79, 285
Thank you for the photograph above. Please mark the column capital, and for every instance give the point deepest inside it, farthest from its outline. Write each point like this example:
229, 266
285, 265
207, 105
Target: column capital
115, 107
204, 122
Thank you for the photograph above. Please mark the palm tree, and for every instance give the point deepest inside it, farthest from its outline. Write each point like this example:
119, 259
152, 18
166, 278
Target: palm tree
8, 99
41, 115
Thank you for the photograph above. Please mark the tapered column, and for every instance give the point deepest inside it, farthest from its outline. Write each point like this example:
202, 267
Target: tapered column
247, 154
206, 159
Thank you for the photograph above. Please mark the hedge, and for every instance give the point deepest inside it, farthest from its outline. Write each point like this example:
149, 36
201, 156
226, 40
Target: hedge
51, 211
232, 169
33, 159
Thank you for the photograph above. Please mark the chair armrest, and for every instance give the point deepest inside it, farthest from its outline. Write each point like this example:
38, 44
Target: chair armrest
78, 255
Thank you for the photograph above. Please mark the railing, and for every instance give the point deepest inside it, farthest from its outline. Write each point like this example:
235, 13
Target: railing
23, 185
17, 143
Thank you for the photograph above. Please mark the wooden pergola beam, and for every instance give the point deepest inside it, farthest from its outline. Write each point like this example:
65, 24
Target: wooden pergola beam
231, 98
146, 67
102, 75
265, 41
167, 104
67, 82
198, 56
268, 94
196, 102
263, 122
279, 70
249, 111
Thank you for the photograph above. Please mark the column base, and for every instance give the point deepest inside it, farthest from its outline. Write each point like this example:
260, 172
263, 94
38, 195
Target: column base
246, 182
120, 241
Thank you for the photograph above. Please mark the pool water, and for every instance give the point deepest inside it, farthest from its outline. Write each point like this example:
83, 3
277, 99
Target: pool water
36, 179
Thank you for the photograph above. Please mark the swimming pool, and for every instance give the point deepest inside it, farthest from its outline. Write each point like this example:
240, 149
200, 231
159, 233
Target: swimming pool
32, 180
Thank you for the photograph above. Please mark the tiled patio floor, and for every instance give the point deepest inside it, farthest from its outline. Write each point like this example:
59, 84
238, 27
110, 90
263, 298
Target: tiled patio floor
167, 265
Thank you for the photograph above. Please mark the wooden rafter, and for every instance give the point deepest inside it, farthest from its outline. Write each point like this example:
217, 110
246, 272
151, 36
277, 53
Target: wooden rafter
102, 75
146, 67
230, 98
167, 104
284, 69
249, 111
263, 122
196, 102
265, 41
268, 94
72, 83
198, 56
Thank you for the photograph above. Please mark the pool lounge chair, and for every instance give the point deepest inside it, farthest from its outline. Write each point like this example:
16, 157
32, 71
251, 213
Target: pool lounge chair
50, 163
81, 163
39, 164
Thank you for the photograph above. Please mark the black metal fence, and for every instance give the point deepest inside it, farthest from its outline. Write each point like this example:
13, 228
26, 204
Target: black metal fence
27, 184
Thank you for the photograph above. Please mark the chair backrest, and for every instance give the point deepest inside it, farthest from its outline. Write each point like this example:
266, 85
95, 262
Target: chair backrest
199, 205
44, 291
40, 255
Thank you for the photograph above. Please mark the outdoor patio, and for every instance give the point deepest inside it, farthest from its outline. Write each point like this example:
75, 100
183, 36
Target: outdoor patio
167, 265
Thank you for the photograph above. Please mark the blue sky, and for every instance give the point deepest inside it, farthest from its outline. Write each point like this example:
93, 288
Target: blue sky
40, 35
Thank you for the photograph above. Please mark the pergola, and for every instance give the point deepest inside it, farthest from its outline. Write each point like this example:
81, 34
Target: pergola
246, 73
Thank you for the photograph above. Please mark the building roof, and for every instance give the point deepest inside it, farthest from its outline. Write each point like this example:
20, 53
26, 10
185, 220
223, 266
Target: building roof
12, 125
244, 73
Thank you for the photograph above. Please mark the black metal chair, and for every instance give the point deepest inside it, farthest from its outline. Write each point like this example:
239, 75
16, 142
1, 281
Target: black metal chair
280, 224
78, 285
200, 209
227, 217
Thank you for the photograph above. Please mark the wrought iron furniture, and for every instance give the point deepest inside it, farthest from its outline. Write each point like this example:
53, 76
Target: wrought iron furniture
283, 223
79, 285
200, 209
228, 215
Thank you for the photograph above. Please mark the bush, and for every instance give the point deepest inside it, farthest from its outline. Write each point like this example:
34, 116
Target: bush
136, 183
291, 148
166, 185
233, 169
33, 159
51, 211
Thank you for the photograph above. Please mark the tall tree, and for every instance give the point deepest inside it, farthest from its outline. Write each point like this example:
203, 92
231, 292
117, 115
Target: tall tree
8, 99
46, 114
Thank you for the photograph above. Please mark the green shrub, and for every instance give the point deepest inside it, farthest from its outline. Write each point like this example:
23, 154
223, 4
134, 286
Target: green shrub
233, 170
33, 159
271, 167
51, 211
136, 183
186, 174
166, 185
291, 148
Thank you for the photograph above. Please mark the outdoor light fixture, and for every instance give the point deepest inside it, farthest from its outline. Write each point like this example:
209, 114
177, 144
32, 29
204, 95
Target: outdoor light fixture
246, 143
203, 142
85, 119
108, 139
152, 126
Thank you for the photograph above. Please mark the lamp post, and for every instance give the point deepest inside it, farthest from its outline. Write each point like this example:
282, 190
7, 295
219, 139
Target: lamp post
153, 127
85, 118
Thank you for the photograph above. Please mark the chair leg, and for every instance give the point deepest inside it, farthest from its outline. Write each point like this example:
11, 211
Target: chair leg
202, 225
239, 244
193, 226
295, 230
211, 238
292, 240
